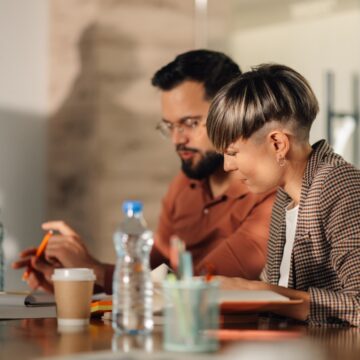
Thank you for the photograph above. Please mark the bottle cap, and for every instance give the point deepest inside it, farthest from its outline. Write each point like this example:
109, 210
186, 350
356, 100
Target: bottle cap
132, 206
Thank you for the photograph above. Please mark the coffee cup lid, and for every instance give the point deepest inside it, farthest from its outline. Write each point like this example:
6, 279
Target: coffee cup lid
77, 274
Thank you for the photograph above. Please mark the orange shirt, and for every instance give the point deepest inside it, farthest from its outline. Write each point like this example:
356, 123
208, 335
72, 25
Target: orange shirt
229, 232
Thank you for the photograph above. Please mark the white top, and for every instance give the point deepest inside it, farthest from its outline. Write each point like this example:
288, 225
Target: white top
291, 220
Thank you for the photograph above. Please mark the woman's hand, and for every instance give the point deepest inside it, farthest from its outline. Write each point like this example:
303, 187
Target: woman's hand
297, 311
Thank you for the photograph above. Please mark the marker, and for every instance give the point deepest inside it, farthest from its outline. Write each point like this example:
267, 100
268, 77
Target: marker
39, 251
208, 271
185, 266
177, 247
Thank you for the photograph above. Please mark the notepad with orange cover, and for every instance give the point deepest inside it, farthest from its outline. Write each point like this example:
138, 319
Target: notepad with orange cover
100, 307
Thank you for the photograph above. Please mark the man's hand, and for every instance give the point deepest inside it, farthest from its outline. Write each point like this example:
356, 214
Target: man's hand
40, 275
24, 258
41, 271
64, 249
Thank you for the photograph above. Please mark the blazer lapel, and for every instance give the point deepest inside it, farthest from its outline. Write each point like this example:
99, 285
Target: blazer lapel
320, 149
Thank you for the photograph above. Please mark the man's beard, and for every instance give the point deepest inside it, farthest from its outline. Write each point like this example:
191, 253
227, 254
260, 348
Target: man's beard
207, 165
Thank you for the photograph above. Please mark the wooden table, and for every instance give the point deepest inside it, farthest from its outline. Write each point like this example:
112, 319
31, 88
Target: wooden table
31, 338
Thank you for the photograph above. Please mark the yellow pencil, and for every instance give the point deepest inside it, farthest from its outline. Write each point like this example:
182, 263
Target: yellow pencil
39, 251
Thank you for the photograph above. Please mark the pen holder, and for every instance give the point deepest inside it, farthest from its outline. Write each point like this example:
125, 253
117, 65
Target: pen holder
190, 310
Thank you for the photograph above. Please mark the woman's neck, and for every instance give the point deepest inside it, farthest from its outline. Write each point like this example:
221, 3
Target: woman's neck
297, 159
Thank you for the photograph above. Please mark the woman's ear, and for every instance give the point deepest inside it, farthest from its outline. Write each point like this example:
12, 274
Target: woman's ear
279, 143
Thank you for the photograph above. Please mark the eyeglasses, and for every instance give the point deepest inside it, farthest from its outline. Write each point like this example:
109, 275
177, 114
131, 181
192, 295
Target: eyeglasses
185, 126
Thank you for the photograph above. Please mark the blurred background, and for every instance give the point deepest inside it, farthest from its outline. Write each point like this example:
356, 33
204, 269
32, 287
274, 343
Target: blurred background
78, 113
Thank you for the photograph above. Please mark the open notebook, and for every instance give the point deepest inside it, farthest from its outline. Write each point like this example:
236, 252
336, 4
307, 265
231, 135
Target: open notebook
253, 301
250, 296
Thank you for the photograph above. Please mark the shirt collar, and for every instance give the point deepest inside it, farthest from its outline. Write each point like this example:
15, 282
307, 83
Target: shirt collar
321, 149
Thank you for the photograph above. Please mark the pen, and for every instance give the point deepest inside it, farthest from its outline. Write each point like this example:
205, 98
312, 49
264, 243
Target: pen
177, 247
39, 251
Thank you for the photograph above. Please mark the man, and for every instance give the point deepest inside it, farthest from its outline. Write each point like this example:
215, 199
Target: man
224, 226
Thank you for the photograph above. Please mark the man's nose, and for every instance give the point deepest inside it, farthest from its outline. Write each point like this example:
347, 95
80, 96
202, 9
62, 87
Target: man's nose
178, 136
229, 163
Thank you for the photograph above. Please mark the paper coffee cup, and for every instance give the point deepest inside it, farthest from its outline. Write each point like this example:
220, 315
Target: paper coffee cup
73, 290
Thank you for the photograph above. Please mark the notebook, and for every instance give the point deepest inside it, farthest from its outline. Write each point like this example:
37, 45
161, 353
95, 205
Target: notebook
23, 305
26, 298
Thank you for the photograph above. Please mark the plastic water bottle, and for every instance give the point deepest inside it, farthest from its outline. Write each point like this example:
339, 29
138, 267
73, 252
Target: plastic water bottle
2, 260
132, 285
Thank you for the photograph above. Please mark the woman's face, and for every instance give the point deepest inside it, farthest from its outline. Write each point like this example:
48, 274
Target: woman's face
255, 164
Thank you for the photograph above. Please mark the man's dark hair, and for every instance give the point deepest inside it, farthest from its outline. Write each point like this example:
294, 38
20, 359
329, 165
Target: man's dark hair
211, 68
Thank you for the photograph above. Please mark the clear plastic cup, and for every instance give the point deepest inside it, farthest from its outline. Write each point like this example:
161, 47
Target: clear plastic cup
191, 313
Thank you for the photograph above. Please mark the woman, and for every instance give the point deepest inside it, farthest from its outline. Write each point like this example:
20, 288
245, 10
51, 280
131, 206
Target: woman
261, 122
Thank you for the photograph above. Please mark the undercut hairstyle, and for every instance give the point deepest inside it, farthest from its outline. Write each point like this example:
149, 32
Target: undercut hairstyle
266, 94
211, 68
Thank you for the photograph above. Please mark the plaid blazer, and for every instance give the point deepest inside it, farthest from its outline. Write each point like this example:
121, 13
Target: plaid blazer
325, 259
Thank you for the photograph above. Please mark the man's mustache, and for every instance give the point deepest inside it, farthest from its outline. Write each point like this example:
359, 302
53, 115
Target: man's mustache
181, 147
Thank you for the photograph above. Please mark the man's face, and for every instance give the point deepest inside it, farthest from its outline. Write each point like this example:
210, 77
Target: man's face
186, 104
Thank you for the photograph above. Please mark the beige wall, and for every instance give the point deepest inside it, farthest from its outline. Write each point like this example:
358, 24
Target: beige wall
23, 102
78, 113
312, 44
102, 142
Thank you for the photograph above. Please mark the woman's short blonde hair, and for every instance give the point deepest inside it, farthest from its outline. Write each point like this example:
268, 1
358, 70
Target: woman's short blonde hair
267, 93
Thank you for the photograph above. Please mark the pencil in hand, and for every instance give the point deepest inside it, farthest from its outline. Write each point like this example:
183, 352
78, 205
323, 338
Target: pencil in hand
39, 251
